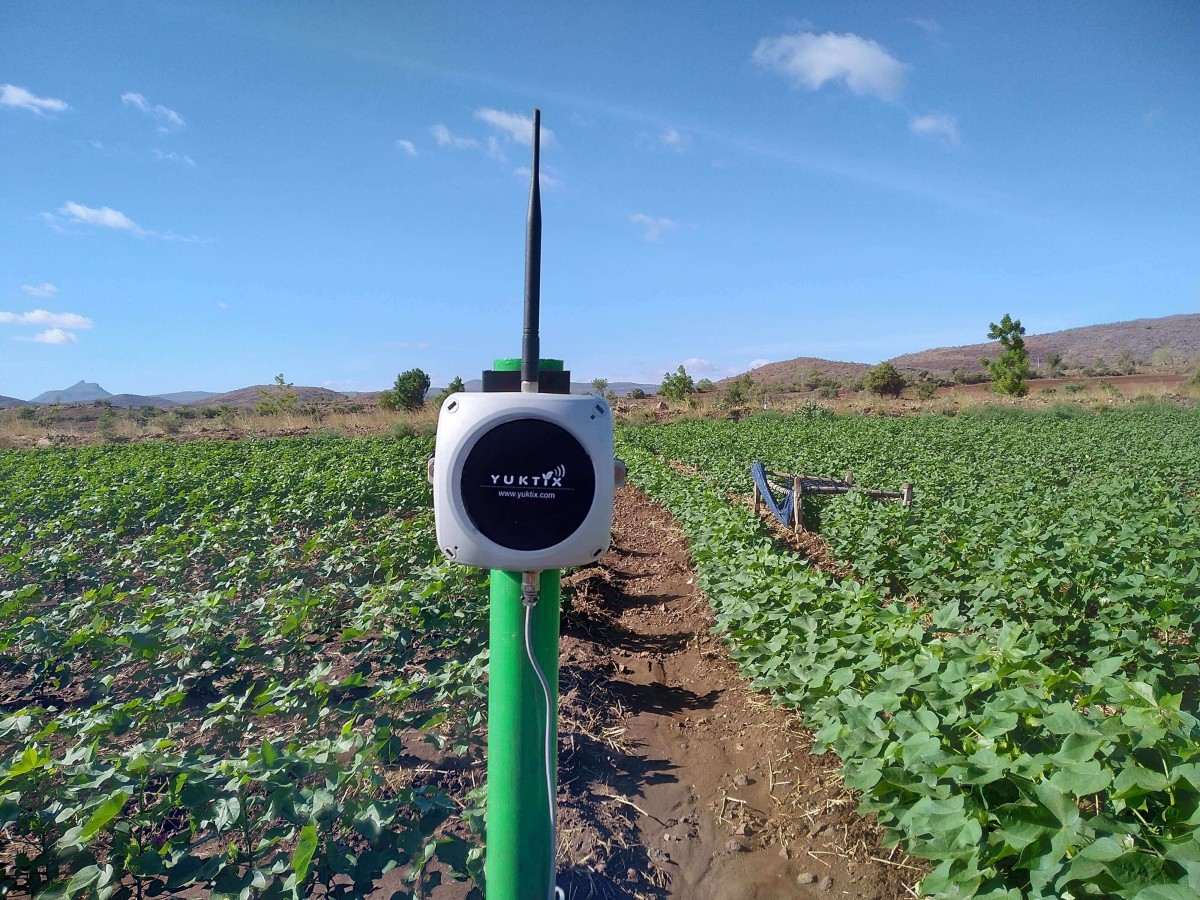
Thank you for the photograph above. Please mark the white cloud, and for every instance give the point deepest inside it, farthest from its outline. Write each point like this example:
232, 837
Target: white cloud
174, 157
696, 366
407, 146
675, 140
40, 290
941, 126
494, 150
54, 336
19, 98
168, 119
221, 304
655, 226
929, 26
812, 60
757, 363
514, 126
547, 182
72, 213
43, 317
104, 217
444, 138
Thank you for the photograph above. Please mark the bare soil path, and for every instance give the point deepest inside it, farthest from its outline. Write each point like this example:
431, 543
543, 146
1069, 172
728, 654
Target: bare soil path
677, 780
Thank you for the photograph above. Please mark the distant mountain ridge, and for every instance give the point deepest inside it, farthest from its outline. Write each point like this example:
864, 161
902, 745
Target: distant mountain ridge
1078, 346
1179, 334
791, 371
90, 392
79, 392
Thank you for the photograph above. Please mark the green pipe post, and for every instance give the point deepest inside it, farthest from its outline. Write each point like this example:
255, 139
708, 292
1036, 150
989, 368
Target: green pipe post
517, 864
518, 850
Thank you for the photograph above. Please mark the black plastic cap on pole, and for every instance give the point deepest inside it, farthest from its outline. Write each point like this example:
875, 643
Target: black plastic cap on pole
530, 344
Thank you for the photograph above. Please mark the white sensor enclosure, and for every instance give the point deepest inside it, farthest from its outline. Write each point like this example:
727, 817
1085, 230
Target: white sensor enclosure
523, 481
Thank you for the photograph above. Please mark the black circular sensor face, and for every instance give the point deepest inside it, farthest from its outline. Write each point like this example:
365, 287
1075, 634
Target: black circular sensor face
527, 484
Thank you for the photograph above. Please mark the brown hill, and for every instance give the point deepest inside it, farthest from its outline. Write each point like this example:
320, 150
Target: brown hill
249, 396
133, 401
793, 371
1079, 346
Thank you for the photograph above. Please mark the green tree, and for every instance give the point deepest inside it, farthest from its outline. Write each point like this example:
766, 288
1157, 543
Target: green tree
407, 393
737, 392
454, 387
704, 385
677, 386
636, 394
281, 398
1010, 369
1126, 362
107, 423
1163, 356
1054, 362
599, 386
884, 379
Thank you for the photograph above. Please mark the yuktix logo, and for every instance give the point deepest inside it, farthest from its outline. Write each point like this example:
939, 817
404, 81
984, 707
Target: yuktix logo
553, 478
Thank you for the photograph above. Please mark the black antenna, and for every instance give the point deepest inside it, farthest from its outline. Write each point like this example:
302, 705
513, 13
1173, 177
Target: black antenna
530, 346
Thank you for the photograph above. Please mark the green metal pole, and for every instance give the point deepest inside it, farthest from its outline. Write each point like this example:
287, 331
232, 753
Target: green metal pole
519, 854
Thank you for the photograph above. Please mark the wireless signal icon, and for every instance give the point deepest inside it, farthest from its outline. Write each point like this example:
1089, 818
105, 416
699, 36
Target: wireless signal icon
560, 471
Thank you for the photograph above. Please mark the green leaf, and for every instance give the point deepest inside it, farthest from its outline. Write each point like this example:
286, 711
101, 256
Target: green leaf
31, 759
1082, 779
107, 811
306, 846
1165, 892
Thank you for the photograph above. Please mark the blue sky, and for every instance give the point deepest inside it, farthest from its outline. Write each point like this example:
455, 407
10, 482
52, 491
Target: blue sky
203, 195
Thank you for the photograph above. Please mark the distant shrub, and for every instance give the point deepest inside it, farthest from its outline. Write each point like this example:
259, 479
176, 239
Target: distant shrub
107, 424
812, 410
963, 375
1164, 356
704, 385
925, 390
828, 392
677, 386
1073, 388
457, 387
280, 399
739, 391
27, 413
636, 394
1098, 368
884, 379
